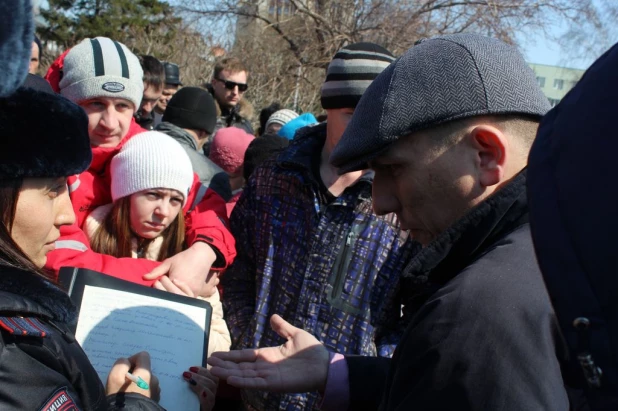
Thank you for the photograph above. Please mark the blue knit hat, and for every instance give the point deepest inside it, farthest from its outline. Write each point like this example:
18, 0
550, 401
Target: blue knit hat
289, 129
436, 81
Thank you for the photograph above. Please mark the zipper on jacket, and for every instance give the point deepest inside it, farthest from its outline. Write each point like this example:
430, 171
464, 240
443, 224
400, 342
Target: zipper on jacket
342, 265
66, 336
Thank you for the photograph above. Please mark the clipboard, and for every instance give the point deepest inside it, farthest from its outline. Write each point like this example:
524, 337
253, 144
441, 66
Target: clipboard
118, 318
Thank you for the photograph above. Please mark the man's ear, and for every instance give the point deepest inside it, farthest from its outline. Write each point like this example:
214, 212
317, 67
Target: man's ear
492, 147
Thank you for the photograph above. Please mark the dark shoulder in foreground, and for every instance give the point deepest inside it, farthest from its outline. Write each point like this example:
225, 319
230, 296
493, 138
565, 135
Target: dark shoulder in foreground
487, 340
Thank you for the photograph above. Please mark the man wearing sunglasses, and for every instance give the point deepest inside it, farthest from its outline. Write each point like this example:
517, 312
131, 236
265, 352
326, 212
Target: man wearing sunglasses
228, 86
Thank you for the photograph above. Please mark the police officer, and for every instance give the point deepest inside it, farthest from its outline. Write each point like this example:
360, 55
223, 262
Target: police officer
42, 367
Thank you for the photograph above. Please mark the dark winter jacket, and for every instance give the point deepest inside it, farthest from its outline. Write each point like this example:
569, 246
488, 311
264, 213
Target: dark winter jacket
234, 117
573, 204
331, 268
210, 174
42, 367
147, 122
483, 334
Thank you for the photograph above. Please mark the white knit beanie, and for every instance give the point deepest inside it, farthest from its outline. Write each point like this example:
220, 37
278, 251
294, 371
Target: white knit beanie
282, 117
151, 160
101, 67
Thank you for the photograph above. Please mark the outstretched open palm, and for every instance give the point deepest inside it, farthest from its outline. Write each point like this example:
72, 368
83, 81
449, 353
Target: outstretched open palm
299, 365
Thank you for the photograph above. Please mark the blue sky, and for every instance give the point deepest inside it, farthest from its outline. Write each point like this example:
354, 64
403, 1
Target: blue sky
545, 51
539, 49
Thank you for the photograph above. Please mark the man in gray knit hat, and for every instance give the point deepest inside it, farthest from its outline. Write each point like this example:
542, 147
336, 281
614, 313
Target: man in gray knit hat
447, 129
105, 78
309, 245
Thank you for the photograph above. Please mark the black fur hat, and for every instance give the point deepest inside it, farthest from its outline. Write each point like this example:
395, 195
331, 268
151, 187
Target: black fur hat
42, 135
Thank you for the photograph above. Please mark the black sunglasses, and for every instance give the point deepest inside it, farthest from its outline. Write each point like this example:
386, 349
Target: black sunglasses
242, 87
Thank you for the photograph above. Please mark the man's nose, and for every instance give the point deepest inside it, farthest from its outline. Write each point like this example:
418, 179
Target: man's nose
148, 107
384, 201
109, 119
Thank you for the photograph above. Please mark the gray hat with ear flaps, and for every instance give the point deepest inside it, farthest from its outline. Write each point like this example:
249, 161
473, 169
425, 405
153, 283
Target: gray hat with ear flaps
438, 80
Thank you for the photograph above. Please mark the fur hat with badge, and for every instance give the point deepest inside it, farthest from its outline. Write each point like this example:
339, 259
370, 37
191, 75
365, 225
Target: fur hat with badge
56, 144
151, 160
102, 67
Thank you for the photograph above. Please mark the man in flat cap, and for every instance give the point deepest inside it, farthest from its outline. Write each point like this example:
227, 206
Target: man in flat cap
447, 129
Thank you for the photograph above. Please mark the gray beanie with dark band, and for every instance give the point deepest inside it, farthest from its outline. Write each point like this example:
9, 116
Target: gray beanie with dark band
436, 81
350, 73
102, 67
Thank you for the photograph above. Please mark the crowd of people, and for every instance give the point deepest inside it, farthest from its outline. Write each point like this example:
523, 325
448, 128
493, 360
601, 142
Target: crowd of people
405, 251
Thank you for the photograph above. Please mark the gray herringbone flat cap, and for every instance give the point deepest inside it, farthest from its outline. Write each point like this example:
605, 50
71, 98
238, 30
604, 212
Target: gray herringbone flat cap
438, 80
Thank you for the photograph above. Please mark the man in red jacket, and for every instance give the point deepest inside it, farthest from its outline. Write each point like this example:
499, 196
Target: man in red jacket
105, 79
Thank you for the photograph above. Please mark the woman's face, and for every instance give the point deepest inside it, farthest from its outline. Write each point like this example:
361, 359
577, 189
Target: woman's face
152, 211
42, 207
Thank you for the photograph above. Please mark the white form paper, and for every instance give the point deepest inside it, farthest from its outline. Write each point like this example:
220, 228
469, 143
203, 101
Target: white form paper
115, 324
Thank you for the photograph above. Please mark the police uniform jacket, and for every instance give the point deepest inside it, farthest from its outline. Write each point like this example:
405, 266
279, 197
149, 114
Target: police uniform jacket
42, 367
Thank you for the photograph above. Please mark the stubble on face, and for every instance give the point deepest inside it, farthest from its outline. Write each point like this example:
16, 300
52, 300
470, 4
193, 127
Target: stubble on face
428, 187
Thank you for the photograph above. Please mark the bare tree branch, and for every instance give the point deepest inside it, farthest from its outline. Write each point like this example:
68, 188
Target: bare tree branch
276, 36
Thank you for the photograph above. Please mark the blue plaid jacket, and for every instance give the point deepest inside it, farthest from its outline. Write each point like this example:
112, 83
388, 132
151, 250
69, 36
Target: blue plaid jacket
330, 269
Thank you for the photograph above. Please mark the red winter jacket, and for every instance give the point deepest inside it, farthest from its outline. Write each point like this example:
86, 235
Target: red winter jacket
205, 218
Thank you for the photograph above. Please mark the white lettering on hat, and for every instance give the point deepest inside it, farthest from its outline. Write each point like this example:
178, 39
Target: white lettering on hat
113, 87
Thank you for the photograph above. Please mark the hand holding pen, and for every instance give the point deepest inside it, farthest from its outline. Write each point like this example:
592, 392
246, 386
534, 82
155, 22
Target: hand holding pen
133, 374
137, 380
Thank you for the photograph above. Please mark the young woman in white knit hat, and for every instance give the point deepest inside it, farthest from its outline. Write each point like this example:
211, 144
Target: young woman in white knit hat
151, 178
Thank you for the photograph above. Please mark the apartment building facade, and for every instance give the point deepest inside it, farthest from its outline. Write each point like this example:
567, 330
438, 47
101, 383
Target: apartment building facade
555, 81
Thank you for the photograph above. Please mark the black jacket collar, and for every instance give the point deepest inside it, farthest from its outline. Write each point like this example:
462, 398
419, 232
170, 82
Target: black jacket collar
467, 239
22, 292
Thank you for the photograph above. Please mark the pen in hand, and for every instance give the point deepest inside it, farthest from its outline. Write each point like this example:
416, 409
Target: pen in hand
138, 380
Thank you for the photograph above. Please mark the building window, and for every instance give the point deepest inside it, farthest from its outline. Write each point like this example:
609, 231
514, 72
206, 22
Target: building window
280, 8
553, 101
541, 81
558, 84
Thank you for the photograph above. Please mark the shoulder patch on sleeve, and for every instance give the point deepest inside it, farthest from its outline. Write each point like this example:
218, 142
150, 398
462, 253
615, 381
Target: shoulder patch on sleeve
24, 326
60, 400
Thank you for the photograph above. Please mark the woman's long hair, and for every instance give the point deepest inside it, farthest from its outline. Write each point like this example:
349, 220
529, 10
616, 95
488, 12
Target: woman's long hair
10, 253
113, 236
